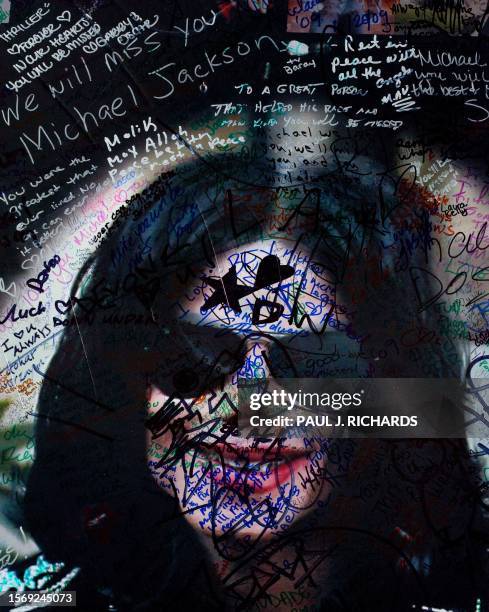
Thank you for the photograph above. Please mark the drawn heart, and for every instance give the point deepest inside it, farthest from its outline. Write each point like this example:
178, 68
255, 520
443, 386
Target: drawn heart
19, 335
24, 267
270, 272
11, 289
65, 16
62, 307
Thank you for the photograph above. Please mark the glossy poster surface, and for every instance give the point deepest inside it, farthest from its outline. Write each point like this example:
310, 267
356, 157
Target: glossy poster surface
244, 305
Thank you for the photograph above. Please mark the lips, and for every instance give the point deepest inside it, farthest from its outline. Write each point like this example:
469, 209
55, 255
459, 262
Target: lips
257, 452
263, 468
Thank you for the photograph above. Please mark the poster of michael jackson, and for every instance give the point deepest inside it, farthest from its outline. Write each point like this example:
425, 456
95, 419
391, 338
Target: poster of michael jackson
244, 305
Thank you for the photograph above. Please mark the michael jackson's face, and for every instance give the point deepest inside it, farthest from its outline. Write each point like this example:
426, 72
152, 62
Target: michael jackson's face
256, 307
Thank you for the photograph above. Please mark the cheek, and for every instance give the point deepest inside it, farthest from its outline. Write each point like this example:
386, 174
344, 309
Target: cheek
155, 447
155, 399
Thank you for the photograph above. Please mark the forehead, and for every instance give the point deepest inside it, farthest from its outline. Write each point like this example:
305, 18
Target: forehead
255, 287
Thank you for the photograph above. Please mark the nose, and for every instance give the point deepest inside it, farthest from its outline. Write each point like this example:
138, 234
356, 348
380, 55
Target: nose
257, 358
255, 364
